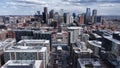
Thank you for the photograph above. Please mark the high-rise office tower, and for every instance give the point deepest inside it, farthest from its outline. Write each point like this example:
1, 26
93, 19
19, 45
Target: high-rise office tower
94, 16
45, 15
87, 16
74, 15
67, 18
45, 9
61, 18
61, 12
81, 19
56, 17
99, 19
51, 14
64, 16
71, 19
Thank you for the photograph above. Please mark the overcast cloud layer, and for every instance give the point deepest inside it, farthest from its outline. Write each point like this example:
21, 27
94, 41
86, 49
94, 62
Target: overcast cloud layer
29, 7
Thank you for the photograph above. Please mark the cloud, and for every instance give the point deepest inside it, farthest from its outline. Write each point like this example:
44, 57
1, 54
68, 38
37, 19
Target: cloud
92, 1
14, 7
37, 2
4, 6
26, 3
79, 6
20, 4
107, 5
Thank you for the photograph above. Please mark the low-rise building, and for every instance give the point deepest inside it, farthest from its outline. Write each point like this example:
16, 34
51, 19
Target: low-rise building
111, 50
24, 64
96, 46
88, 63
19, 52
36, 42
3, 46
79, 50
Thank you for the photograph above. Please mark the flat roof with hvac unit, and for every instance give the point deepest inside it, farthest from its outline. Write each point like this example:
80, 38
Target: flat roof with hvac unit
59, 48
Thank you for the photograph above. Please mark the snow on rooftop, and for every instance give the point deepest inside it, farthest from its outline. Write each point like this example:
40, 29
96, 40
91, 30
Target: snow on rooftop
74, 27
34, 41
26, 49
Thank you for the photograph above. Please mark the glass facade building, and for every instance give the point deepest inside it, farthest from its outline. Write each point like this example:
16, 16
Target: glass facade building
87, 16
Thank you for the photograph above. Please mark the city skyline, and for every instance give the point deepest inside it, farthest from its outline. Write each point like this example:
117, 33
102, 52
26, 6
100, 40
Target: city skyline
29, 7
59, 34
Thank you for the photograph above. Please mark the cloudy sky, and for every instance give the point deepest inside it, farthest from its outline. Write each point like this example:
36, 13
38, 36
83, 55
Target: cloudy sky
29, 7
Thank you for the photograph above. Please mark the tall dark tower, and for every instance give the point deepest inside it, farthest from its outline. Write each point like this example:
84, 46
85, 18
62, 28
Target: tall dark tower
87, 16
45, 15
94, 16
45, 9
51, 14
74, 15
65, 16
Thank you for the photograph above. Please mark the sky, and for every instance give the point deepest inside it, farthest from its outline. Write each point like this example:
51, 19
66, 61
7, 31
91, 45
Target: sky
29, 7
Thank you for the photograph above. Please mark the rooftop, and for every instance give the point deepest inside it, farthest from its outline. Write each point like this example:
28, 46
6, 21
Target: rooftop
89, 61
74, 27
112, 39
27, 63
26, 49
95, 43
78, 50
34, 41
96, 35
20, 62
5, 43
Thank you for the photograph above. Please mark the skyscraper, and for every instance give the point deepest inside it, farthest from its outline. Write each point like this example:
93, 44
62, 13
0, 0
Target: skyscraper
45, 9
67, 18
45, 15
74, 15
61, 16
87, 16
61, 12
51, 14
81, 19
71, 19
56, 17
94, 16
98, 19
